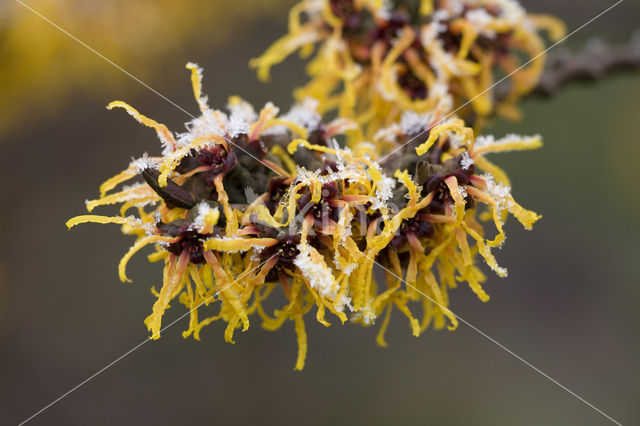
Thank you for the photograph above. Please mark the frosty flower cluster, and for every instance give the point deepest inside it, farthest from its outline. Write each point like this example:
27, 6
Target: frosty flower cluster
386, 207
376, 59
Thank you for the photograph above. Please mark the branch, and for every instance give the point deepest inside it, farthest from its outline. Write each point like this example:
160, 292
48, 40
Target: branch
594, 62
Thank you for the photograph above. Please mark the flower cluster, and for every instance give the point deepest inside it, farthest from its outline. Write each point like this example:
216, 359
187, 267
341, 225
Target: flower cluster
378, 58
246, 204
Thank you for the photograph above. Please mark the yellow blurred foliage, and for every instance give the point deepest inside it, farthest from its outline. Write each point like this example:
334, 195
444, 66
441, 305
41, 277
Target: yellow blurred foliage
40, 65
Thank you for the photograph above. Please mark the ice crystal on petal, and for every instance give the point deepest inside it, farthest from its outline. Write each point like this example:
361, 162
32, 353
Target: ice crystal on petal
317, 274
304, 114
144, 162
413, 123
466, 161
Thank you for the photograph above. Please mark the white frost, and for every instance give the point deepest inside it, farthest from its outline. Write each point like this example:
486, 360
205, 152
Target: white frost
413, 123
304, 114
317, 274
203, 209
499, 193
480, 20
144, 162
490, 141
466, 161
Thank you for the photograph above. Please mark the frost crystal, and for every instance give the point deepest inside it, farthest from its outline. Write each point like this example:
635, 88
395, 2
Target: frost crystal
210, 122
144, 162
500, 194
343, 301
463, 191
385, 10
238, 124
384, 192
317, 274
489, 141
480, 20
203, 210
244, 109
367, 314
466, 161
304, 114
413, 123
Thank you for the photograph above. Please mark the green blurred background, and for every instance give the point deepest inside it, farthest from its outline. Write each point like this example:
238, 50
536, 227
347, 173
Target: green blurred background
569, 305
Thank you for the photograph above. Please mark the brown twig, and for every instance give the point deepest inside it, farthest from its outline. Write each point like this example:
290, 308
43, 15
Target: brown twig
594, 62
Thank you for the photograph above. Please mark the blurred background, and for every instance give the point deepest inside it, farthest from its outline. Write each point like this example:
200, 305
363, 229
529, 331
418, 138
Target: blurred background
569, 305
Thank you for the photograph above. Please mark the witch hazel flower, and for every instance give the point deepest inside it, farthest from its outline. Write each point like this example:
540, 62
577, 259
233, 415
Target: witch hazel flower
249, 205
